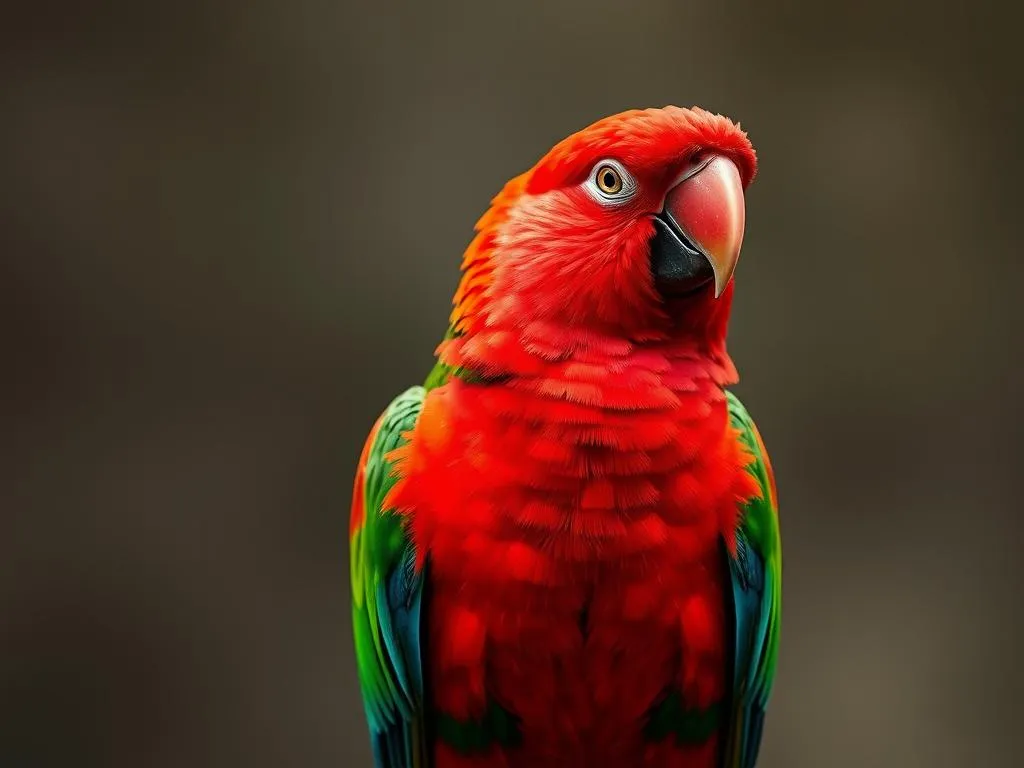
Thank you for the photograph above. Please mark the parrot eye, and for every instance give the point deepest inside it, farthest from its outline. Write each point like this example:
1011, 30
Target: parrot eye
610, 182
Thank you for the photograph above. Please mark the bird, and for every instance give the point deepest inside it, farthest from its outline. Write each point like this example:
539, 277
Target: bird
564, 543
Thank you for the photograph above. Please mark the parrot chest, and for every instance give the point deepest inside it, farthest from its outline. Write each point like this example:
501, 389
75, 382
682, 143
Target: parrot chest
580, 667
577, 580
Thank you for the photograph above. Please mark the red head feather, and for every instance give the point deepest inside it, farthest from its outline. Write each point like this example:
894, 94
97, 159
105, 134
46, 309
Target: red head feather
550, 258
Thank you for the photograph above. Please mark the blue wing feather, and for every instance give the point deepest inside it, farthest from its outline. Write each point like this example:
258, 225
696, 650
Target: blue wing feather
748, 588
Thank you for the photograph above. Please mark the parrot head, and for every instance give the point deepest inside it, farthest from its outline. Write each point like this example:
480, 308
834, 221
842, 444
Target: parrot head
630, 227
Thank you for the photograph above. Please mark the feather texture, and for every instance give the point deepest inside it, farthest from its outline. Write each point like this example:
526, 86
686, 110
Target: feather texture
387, 595
756, 575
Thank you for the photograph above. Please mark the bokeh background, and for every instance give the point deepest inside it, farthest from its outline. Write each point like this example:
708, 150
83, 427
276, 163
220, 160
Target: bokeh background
231, 231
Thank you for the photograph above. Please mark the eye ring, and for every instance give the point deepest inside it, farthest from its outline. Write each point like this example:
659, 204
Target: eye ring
610, 183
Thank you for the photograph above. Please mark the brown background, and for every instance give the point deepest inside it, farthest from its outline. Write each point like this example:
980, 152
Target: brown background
230, 234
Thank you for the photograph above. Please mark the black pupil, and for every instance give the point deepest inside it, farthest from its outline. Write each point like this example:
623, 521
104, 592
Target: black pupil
609, 179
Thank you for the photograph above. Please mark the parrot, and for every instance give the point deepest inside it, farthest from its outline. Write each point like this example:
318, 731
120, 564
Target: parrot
564, 543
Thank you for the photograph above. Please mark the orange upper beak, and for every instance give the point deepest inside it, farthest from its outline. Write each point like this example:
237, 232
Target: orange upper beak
700, 230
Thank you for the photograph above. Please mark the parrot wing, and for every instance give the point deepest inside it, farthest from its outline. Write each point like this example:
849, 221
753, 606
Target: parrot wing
387, 593
756, 575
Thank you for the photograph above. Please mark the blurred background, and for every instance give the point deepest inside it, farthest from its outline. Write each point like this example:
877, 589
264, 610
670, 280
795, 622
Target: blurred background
230, 232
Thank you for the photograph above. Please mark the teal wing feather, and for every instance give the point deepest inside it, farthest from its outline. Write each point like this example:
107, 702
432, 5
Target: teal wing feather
387, 598
756, 575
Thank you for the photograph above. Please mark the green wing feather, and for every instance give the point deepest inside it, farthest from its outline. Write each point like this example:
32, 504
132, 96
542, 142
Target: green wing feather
387, 593
756, 574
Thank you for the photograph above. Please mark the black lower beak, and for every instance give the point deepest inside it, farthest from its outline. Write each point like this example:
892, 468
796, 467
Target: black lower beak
678, 267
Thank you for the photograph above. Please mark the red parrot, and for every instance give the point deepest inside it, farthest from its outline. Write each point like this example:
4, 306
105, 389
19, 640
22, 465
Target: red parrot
565, 546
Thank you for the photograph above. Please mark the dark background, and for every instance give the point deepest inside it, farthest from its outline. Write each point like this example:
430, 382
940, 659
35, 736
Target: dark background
230, 233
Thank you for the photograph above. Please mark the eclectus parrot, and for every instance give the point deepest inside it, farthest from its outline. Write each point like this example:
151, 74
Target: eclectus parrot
565, 544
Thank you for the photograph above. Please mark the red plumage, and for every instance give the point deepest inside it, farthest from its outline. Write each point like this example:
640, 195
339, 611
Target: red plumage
572, 507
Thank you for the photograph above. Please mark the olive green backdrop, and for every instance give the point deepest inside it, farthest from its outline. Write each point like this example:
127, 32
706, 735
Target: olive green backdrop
230, 233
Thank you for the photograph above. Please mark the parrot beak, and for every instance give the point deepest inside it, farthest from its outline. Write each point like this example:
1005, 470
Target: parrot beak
699, 232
